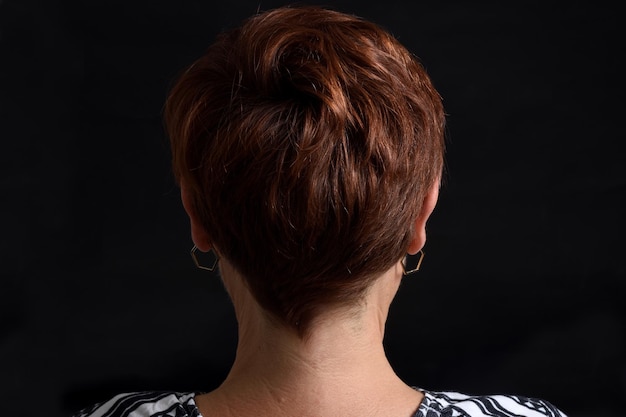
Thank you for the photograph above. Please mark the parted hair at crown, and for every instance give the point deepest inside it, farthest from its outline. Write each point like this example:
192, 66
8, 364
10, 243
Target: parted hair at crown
307, 140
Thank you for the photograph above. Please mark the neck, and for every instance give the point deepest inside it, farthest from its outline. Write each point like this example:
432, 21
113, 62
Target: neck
342, 361
335, 350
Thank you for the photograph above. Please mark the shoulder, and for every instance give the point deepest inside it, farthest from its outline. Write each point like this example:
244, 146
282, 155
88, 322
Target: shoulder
144, 404
456, 404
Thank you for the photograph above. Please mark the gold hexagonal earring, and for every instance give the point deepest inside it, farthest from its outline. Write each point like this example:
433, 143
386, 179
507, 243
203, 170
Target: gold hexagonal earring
415, 263
213, 263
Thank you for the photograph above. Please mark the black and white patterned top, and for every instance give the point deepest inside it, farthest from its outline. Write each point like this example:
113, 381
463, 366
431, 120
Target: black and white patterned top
455, 404
434, 404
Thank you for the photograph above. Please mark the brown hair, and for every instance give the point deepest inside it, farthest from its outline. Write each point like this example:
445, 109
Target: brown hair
307, 139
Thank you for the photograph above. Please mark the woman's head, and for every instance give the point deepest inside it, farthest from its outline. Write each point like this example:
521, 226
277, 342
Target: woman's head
306, 141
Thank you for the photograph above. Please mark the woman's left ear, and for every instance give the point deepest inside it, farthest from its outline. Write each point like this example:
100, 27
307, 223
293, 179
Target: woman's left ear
199, 236
419, 235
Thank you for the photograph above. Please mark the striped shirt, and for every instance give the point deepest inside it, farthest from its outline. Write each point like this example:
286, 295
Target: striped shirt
434, 404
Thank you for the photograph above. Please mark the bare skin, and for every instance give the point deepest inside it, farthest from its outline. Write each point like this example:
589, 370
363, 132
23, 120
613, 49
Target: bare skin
341, 370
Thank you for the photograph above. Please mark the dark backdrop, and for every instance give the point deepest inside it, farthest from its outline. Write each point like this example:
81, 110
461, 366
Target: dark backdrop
522, 288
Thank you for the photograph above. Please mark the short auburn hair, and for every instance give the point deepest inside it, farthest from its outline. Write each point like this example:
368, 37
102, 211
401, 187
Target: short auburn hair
307, 140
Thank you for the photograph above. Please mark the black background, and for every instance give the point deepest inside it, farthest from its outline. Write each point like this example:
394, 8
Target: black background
522, 288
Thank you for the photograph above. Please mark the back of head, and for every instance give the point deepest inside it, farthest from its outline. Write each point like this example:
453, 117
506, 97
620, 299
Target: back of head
307, 140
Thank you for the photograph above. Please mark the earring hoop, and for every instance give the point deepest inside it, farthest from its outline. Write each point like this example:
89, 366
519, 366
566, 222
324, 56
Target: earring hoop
198, 265
406, 272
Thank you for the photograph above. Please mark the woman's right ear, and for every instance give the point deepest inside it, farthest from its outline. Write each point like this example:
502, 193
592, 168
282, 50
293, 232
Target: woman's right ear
199, 236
